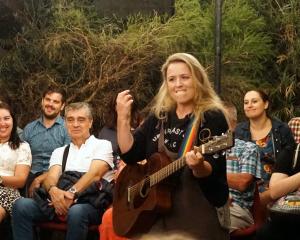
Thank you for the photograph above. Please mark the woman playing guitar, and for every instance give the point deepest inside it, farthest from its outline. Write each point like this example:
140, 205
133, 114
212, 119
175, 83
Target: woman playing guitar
186, 109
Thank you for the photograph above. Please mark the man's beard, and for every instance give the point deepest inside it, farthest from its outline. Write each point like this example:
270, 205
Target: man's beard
50, 116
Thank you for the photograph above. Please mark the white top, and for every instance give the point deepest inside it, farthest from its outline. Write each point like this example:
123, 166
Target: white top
9, 158
80, 159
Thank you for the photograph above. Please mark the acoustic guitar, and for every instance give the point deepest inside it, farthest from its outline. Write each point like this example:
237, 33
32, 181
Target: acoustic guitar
142, 192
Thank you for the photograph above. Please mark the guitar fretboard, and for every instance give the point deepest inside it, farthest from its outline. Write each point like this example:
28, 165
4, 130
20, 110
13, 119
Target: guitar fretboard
166, 171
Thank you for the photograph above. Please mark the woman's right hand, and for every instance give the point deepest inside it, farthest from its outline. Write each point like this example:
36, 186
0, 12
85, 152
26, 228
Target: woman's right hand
123, 105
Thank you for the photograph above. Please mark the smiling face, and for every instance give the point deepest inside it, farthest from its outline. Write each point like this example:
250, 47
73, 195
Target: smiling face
254, 106
52, 105
6, 125
180, 83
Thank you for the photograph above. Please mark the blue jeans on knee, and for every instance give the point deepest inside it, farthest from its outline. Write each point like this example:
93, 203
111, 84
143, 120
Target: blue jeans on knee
25, 212
80, 216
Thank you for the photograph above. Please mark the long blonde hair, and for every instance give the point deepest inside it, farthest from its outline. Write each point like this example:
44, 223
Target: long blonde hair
205, 97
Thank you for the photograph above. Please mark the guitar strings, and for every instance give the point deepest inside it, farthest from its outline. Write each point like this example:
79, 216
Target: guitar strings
158, 176
176, 165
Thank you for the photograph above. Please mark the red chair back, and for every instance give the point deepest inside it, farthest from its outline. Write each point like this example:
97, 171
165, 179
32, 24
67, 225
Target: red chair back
62, 227
258, 216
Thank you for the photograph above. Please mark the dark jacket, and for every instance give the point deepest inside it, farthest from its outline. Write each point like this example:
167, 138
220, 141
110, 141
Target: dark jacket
282, 135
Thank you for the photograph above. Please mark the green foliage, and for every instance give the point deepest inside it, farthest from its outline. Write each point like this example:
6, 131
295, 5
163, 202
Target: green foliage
282, 17
245, 40
65, 42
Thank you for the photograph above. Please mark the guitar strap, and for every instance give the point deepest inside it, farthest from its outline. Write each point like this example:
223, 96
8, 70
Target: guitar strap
161, 139
189, 138
65, 156
187, 143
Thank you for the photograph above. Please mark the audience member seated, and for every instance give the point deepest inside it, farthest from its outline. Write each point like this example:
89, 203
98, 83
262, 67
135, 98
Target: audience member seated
15, 161
44, 135
243, 169
109, 132
285, 179
271, 136
88, 157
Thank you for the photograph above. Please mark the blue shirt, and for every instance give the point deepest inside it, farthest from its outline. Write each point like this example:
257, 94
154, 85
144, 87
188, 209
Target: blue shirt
43, 141
244, 157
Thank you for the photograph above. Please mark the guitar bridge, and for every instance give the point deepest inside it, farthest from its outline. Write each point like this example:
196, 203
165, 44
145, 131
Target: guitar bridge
128, 195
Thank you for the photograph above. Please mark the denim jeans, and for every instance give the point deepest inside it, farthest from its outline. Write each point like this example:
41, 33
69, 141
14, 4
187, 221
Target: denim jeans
26, 212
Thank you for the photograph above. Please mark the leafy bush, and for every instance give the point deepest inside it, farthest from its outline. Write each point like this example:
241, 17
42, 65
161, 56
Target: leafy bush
66, 43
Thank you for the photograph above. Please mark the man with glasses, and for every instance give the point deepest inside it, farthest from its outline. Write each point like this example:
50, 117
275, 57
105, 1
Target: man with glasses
88, 155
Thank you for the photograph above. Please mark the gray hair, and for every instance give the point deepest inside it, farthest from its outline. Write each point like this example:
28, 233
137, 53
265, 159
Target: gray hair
79, 105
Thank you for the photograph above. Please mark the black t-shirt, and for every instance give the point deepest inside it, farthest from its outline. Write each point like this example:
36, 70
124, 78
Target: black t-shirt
145, 144
285, 163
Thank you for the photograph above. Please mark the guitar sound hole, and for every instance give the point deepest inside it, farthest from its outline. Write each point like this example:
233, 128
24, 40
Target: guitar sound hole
145, 188
140, 198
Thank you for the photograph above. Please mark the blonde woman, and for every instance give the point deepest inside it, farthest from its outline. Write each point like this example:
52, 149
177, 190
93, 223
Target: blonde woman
185, 98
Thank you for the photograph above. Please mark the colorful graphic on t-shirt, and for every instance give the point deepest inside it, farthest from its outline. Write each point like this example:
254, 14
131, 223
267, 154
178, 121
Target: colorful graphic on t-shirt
267, 157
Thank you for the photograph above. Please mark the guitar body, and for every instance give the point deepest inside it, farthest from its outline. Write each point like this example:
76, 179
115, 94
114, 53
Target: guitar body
142, 191
135, 210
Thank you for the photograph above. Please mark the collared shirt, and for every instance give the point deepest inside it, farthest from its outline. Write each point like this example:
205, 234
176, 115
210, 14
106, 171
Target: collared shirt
80, 159
243, 158
43, 141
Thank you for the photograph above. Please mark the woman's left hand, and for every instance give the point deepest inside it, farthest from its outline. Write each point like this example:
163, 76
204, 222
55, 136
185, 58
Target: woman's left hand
196, 162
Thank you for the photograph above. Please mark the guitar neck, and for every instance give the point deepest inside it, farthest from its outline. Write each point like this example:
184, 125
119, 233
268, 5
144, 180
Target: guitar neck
166, 171
218, 143
172, 168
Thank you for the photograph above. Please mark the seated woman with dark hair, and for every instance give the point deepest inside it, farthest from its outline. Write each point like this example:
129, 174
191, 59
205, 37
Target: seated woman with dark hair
271, 135
285, 179
15, 160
